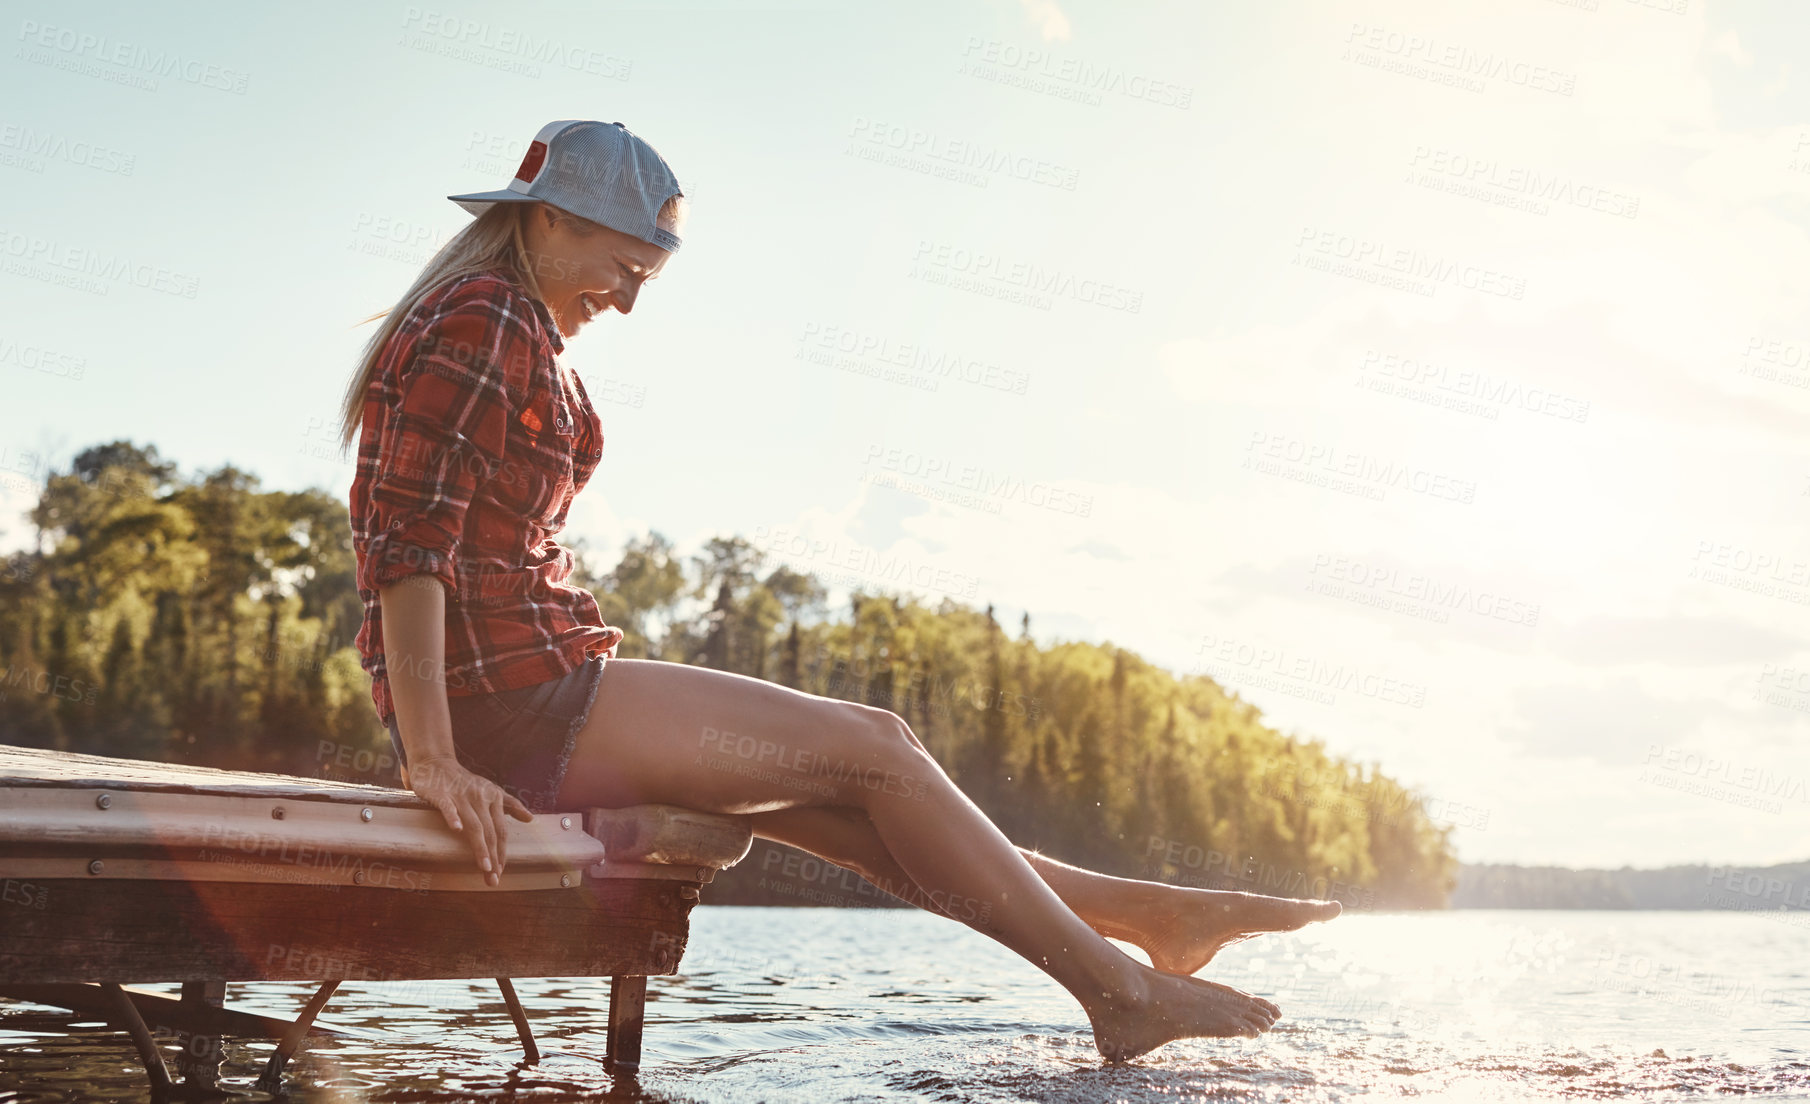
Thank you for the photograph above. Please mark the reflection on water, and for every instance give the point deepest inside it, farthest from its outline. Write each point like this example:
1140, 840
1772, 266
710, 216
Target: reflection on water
874, 1005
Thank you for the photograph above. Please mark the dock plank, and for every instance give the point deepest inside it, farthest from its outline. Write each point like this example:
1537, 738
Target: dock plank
162, 931
22, 766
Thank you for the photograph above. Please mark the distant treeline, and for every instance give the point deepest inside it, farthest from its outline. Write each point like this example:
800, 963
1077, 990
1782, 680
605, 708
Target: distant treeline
209, 622
1731, 888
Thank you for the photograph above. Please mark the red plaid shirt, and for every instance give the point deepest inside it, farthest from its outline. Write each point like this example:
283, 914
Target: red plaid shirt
473, 444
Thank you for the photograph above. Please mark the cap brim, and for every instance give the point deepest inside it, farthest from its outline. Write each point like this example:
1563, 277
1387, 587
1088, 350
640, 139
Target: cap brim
476, 203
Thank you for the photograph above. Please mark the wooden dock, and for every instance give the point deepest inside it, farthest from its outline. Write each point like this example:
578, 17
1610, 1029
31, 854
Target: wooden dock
118, 871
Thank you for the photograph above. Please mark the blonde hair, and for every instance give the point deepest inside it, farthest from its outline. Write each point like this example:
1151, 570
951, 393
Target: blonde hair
492, 240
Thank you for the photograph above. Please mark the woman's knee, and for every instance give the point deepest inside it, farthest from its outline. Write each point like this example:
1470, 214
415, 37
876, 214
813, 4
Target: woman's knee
892, 762
888, 734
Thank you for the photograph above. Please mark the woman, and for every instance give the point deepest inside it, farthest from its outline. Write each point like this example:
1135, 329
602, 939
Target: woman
485, 661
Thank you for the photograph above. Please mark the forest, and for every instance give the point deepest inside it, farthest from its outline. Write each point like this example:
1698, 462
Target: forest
205, 620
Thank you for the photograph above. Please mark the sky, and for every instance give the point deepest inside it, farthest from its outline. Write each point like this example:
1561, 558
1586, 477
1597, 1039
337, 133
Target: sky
1435, 375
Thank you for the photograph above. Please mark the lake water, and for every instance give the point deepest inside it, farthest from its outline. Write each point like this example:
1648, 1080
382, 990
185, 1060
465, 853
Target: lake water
782, 1004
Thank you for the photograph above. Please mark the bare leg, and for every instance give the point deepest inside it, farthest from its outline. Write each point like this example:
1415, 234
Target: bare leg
1180, 928
726, 743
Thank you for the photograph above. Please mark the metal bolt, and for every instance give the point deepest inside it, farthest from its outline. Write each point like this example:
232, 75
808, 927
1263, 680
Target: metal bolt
565, 880
703, 873
277, 813
688, 892
565, 822
104, 801
358, 876
94, 867
365, 814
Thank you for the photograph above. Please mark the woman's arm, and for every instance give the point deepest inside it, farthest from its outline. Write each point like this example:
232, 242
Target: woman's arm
448, 433
414, 649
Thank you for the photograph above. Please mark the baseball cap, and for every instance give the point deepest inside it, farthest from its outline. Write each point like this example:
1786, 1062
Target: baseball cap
598, 171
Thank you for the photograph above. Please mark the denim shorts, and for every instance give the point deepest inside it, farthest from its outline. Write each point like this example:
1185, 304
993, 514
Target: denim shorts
521, 739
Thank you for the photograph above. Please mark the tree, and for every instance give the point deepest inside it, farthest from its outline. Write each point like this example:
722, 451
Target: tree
212, 622
643, 590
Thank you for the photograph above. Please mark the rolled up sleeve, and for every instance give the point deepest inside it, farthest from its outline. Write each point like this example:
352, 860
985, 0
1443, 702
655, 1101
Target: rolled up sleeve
448, 433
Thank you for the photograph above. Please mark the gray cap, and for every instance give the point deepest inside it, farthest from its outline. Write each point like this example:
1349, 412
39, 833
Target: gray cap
598, 171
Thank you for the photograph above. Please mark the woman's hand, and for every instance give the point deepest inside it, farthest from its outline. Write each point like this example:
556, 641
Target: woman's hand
471, 804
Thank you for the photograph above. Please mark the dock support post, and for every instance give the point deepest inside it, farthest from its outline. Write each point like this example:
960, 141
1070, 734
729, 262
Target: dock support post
531, 1053
202, 1054
628, 1012
272, 1078
126, 1013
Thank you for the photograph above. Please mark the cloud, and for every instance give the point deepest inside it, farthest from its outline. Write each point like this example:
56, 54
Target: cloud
1615, 722
1679, 640
1100, 550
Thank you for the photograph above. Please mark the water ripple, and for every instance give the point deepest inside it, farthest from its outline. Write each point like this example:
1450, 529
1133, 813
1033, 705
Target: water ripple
873, 1005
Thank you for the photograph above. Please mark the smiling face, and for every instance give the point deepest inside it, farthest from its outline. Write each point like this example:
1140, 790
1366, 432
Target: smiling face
584, 269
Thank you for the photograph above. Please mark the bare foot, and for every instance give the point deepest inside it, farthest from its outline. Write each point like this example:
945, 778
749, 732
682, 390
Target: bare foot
1168, 1008
1184, 935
